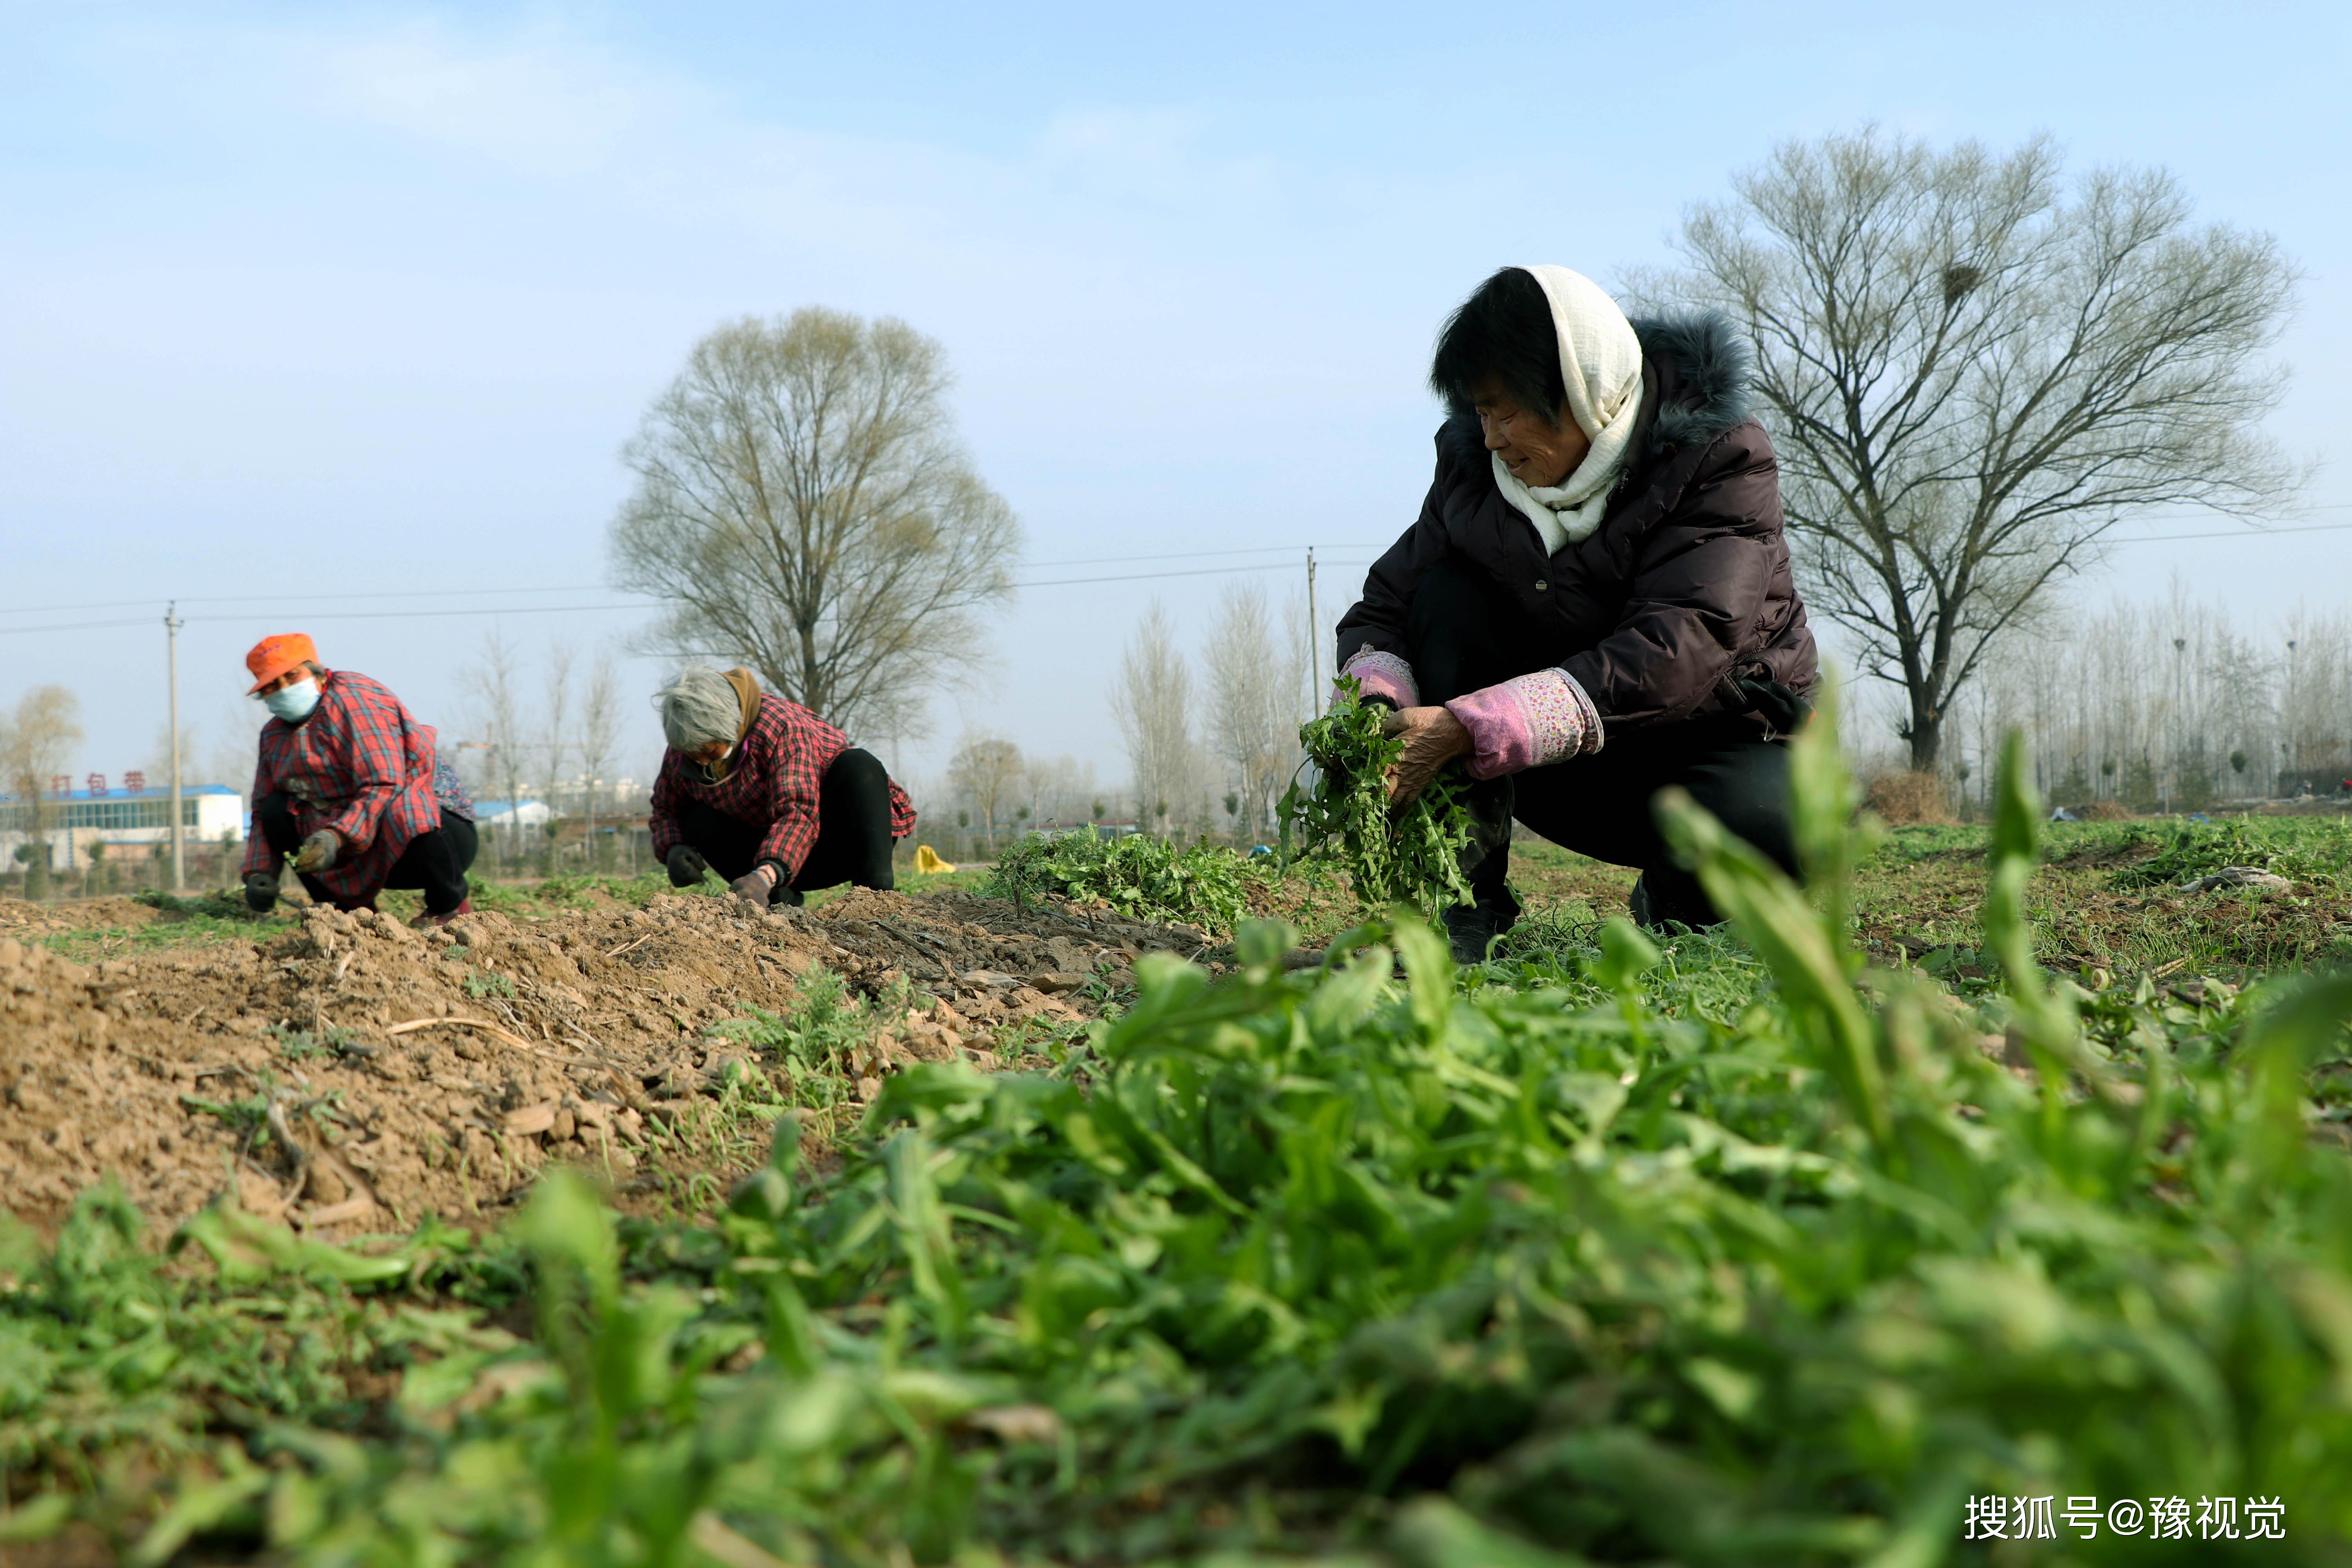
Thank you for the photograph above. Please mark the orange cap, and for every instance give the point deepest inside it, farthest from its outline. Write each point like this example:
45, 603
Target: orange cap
273, 656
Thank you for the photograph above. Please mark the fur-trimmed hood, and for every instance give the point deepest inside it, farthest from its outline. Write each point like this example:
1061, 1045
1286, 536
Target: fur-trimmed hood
1698, 372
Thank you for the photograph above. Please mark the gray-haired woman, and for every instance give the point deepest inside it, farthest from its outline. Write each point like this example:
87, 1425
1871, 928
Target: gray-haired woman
766, 794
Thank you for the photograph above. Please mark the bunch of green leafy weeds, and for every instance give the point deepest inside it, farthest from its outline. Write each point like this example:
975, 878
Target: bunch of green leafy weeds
1139, 876
1708, 1253
115, 1363
227, 905
2317, 852
1409, 854
814, 1037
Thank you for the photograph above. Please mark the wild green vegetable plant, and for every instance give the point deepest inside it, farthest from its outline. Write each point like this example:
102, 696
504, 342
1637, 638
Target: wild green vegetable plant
1675, 1261
1408, 855
1141, 876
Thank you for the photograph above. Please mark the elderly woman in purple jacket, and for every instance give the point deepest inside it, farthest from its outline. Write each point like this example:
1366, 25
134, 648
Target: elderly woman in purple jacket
1596, 602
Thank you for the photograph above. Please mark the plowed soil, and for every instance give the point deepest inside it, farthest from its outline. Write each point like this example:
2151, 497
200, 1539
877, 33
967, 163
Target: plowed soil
348, 1074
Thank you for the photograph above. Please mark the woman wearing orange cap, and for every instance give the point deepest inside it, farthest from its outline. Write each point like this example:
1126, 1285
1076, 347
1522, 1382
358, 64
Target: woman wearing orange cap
350, 787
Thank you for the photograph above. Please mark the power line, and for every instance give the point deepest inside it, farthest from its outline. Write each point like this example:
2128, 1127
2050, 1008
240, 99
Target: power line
326, 604
1154, 576
578, 609
1282, 550
345, 616
1185, 555
278, 599
2238, 533
600, 588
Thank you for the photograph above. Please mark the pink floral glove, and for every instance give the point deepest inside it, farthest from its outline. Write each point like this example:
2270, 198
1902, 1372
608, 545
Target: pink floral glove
1528, 722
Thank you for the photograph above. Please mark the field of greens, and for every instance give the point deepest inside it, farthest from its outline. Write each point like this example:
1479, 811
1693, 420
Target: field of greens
1814, 1240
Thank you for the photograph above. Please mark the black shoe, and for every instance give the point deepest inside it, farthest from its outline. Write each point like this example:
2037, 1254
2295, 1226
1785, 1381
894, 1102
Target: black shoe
1473, 927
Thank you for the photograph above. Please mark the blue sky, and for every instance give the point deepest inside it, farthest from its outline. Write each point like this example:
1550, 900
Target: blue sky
309, 301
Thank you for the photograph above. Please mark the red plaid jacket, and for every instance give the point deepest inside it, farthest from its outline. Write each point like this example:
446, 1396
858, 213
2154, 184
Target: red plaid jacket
776, 772
361, 764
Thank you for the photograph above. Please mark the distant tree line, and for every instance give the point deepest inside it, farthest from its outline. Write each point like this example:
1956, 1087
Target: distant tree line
2173, 705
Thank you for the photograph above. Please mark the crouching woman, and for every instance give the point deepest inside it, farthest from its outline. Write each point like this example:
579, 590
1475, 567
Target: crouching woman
350, 789
1596, 603
767, 794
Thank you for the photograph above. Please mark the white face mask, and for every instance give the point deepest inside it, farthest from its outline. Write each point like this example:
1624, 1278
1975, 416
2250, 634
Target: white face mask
292, 703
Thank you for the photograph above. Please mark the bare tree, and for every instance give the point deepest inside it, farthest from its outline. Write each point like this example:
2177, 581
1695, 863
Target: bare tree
1153, 704
36, 746
1976, 373
1253, 699
554, 742
1061, 791
494, 688
599, 734
986, 770
802, 502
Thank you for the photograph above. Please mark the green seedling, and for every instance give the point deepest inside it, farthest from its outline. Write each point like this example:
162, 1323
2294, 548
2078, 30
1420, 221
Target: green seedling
305, 1045
481, 983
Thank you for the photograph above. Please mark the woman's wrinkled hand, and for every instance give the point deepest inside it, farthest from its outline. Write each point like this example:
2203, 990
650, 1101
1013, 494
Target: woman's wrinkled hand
1433, 738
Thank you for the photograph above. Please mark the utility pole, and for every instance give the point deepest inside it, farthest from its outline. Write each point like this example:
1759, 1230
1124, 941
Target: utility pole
2180, 705
1314, 643
2287, 706
172, 625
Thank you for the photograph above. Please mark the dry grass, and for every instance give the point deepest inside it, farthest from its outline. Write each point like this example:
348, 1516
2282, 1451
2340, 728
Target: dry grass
1909, 799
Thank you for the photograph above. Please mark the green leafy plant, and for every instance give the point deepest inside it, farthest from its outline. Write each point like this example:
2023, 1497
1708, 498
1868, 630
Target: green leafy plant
2319, 852
1139, 876
1392, 855
1718, 1252
826, 1023
481, 983
305, 1045
228, 905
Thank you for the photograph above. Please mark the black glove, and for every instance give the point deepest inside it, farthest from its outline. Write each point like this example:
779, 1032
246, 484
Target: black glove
1780, 707
687, 865
260, 892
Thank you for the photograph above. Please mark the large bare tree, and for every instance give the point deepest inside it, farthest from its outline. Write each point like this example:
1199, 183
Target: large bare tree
803, 504
1973, 369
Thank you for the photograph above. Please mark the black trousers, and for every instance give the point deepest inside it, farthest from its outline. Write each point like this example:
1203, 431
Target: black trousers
852, 832
1465, 636
435, 862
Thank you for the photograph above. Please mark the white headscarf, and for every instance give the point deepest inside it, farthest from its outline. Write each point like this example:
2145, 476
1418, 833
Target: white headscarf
1601, 360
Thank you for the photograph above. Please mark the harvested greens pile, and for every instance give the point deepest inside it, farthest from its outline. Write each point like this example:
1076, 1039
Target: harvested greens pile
1139, 876
1410, 854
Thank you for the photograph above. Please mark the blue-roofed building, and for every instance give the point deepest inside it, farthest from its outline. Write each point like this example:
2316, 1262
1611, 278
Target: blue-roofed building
209, 814
508, 814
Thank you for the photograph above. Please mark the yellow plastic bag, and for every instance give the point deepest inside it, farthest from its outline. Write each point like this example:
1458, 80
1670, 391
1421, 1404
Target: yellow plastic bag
928, 860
